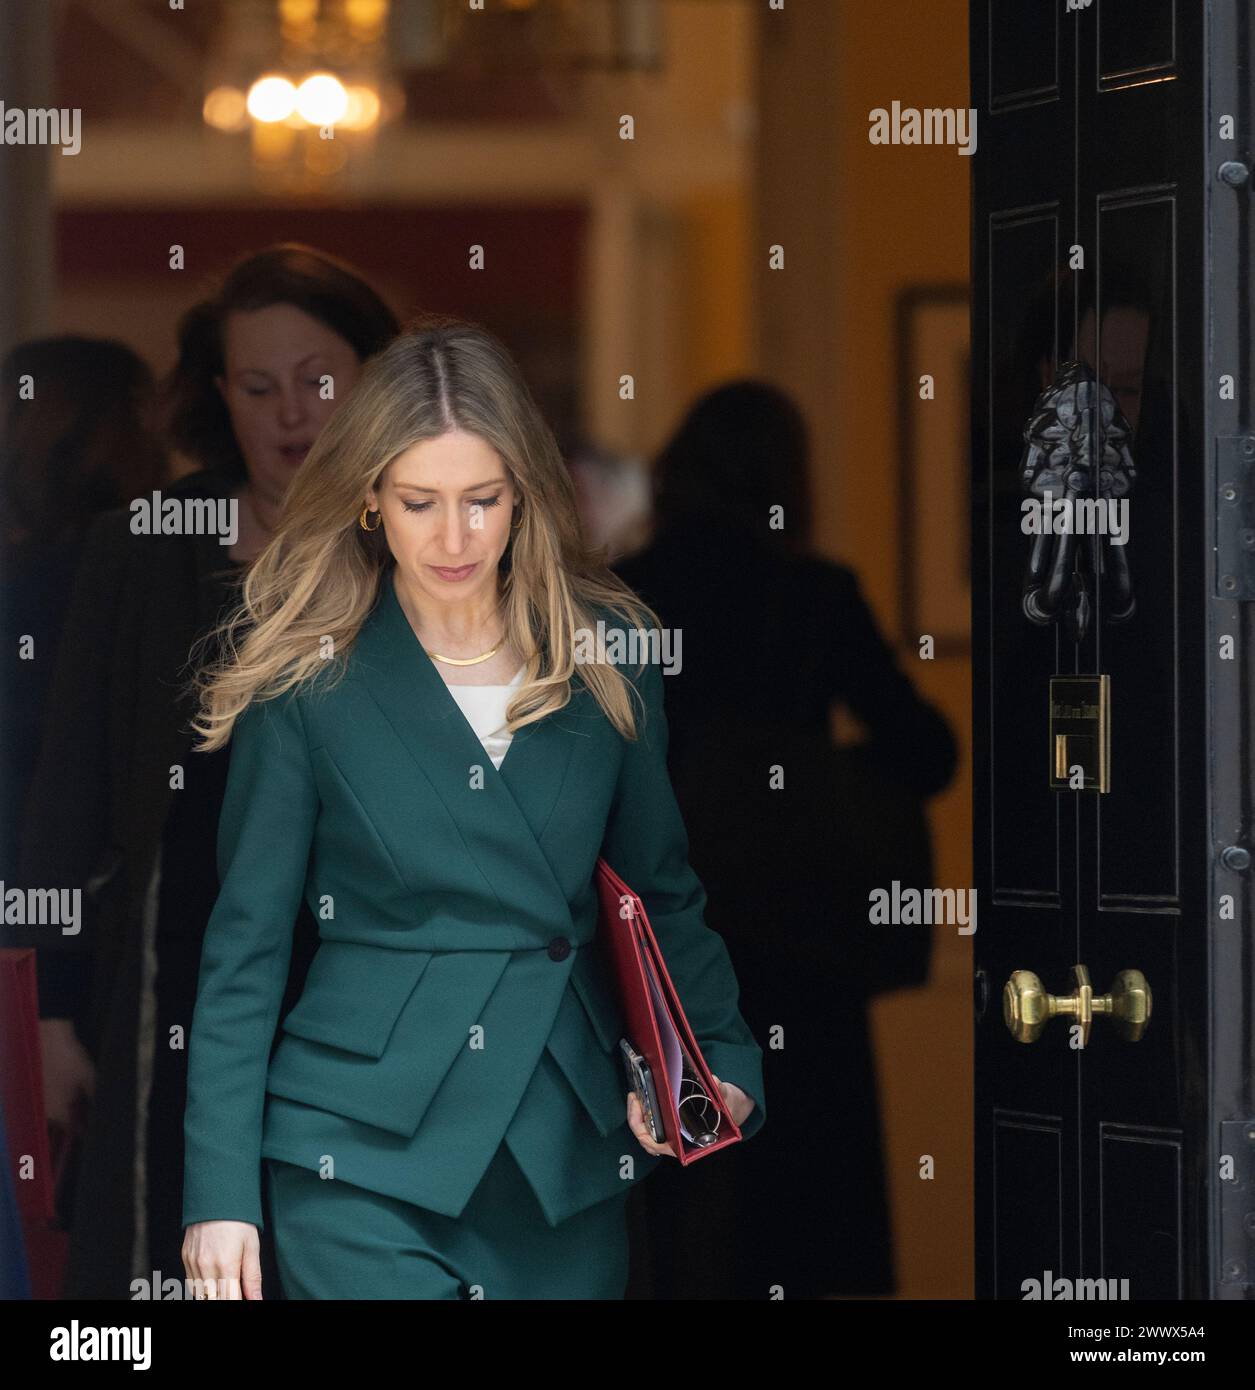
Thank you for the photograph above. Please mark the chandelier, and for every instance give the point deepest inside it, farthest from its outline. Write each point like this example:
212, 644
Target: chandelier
309, 81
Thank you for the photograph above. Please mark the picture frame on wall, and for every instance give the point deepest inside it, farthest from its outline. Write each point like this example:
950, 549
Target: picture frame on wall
933, 331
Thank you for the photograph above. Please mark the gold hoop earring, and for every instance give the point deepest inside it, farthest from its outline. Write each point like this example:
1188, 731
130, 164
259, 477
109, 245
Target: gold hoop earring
361, 520
518, 520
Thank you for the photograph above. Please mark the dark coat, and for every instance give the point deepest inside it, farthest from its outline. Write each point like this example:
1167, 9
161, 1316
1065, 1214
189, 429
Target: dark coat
769, 644
34, 592
101, 797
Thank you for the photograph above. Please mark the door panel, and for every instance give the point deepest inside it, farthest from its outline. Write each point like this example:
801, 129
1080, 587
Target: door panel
1142, 846
1136, 41
1093, 1160
1029, 1178
1140, 1199
1135, 248
1024, 248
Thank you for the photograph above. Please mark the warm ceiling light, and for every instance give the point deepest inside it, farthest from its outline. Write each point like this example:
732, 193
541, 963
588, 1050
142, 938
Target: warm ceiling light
271, 99
321, 99
363, 109
366, 17
226, 108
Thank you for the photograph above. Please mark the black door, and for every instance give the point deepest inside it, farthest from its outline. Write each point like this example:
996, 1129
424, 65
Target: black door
1110, 301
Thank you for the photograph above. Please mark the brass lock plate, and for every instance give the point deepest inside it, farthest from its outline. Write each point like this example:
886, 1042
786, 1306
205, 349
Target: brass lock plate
1080, 733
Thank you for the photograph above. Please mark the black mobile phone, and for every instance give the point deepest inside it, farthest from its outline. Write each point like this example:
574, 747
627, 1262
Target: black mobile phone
640, 1080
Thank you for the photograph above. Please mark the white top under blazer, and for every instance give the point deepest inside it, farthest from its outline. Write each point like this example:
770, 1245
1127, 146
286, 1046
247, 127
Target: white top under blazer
484, 707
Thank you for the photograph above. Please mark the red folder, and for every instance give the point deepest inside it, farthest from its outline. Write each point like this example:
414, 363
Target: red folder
652, 1010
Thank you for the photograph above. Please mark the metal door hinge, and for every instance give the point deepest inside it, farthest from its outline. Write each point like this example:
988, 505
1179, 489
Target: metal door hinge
1235, 516
1237, 1203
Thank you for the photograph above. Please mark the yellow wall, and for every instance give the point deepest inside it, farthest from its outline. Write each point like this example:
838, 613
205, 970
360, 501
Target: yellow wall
859, 224
904, 219
715, 252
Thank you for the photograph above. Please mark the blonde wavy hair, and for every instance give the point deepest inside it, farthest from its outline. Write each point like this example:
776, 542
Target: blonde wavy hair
320, 574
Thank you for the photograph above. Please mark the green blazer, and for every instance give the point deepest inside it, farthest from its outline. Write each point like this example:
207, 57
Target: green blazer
457, 998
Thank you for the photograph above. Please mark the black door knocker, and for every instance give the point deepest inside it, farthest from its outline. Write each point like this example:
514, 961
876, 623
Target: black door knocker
1074, 543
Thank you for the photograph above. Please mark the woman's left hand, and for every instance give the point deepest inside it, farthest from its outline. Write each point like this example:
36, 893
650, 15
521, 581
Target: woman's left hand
736, 1100
636, 1122
738, 1103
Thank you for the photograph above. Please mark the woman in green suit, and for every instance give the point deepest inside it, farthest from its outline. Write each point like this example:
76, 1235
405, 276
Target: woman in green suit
445, 1113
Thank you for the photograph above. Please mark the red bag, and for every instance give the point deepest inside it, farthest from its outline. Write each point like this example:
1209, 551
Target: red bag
22, 1088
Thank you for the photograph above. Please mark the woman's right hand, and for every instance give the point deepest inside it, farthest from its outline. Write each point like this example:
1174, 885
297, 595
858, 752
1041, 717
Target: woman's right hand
223, 1259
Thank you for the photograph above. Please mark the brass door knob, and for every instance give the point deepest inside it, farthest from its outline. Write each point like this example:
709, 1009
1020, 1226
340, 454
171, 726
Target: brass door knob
1027, 1008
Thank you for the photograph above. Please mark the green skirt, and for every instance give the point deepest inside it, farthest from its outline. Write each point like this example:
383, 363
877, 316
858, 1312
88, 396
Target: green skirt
333, 1240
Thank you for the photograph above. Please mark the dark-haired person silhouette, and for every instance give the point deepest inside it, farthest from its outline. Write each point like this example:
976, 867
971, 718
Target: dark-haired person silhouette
771, 639
120, 806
